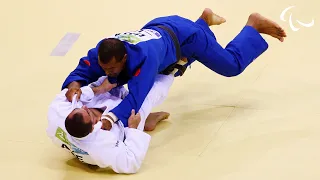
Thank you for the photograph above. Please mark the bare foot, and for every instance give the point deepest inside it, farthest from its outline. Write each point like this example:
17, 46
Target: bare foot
211, 18
153, 120
266, 26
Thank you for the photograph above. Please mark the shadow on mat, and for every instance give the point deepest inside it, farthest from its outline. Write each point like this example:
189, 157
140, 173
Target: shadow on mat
75, 163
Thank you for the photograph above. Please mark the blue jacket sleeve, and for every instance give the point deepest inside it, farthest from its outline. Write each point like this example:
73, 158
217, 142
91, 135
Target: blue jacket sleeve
139, 87
87, 71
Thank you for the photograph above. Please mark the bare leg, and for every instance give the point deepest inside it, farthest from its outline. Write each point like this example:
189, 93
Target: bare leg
211, 18
266, 26
153, 120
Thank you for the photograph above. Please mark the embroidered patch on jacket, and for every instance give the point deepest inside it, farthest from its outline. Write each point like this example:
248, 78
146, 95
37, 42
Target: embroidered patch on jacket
137, 72
61, 135
87, 62
135, 37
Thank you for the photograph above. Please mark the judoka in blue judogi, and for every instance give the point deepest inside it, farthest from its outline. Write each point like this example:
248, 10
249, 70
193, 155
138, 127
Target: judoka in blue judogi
135, 58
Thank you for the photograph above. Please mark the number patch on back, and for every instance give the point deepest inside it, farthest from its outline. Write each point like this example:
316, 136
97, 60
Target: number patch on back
66, 144
134, 37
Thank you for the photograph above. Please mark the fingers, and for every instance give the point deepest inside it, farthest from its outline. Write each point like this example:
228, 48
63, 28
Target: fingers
134, 119
79, 92
138, 117
71, 92
69, 95
106, 82
107, 86
114, 85
134, 115
111, 86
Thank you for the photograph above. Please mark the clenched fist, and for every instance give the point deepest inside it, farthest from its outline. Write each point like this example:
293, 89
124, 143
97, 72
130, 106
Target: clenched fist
73, 88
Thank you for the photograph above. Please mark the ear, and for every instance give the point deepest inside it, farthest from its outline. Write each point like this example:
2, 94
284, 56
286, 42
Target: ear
124, 57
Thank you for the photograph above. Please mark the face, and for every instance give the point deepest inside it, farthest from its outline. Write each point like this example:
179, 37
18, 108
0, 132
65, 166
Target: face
87, 114
113, 68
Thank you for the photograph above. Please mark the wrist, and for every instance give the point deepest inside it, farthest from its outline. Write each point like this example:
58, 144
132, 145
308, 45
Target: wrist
74, 84
99, 89
112, 116
107, 122
133, 126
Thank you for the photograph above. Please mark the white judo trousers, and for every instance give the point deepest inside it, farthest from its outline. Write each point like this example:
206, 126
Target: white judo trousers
121, 149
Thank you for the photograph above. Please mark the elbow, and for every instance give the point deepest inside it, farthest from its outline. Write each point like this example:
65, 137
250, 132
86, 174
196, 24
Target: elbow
133, 166
127, 166
130, 169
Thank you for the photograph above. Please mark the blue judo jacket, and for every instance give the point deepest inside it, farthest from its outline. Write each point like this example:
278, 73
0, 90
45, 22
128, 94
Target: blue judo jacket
149, 52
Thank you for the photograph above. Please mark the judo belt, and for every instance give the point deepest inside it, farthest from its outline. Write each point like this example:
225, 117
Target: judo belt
175, 65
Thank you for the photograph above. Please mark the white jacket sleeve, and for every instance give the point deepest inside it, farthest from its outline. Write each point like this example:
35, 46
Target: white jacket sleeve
122, 157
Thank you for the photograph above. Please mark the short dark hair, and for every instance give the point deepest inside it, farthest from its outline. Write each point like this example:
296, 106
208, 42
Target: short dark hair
76, 126
109, 48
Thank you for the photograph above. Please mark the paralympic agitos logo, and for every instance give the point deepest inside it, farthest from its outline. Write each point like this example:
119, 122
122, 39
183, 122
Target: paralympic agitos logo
290, 20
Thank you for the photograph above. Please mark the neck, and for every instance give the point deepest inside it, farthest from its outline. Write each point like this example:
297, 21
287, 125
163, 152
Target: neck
96, 112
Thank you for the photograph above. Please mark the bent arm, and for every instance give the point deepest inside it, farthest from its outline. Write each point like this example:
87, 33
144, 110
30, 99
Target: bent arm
139, 86
87, 71
123, 157
156, 96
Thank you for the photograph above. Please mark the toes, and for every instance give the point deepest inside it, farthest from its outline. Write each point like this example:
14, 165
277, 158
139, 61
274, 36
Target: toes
281, 39
275, 35
281, 32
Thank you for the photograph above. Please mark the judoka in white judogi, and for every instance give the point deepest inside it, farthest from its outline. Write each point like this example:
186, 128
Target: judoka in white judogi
121, 149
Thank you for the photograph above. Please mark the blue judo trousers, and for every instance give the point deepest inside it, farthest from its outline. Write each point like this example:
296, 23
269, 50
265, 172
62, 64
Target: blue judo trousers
151, 50
198, 42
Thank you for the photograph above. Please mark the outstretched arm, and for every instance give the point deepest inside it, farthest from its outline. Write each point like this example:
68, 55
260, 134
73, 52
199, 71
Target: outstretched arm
139, 86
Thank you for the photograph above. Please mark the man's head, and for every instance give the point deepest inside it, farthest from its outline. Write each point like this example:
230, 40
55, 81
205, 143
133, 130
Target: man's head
80, 122
112, 56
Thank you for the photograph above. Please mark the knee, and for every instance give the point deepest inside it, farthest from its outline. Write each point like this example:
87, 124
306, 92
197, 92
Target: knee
233, 73
230, 70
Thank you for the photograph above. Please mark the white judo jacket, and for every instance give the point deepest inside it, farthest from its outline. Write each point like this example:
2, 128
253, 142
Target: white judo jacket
121, 149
